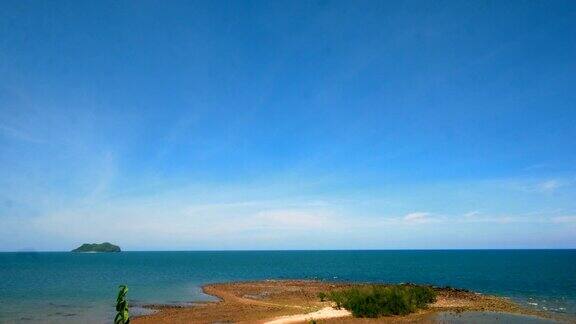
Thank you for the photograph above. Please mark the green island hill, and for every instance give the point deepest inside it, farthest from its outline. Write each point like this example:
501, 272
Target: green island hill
104, 247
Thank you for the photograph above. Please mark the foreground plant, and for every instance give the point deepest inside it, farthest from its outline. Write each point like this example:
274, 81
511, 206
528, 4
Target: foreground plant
122, 315
378, 300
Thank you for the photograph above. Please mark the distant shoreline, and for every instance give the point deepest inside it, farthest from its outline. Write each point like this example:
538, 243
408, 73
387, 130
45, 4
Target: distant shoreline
291, 301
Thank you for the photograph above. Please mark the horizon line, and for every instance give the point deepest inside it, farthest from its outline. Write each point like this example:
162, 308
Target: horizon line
305, 250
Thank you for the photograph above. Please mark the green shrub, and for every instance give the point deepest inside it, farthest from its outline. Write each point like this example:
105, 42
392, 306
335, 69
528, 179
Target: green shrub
377, 300
337, 297
322, 296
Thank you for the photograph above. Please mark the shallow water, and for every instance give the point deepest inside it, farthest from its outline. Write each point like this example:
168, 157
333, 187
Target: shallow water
488, 318
68, 287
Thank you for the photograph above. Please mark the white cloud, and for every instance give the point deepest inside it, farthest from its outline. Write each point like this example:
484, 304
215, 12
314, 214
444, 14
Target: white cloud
418, 218
478, 217
472, 215
549, 186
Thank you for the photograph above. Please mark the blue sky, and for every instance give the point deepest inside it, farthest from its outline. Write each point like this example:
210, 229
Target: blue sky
187, 125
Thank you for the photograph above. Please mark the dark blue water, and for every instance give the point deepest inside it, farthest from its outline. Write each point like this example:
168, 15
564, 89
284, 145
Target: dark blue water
62, 287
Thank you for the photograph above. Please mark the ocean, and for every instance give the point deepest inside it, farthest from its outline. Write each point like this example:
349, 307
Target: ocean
62, 287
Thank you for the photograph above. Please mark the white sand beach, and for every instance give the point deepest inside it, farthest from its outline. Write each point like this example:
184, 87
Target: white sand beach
324, 313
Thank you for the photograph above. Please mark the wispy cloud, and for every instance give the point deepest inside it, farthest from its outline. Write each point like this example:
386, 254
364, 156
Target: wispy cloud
538, 166
472, 214
260, 215
291, 219
542, 186
104, 175
549, 186
18, 134
418, 218
170, 222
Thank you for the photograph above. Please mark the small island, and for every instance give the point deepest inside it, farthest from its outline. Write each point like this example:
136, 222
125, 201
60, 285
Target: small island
94, 247
305, 301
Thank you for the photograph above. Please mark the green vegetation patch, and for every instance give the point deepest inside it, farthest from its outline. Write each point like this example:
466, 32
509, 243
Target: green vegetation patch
122, 314
379, 300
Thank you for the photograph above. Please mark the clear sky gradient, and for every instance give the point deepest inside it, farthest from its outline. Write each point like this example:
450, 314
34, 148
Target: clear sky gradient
193, 125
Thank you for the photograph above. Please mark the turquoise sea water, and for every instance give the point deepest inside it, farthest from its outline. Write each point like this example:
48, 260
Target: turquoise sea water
69, 287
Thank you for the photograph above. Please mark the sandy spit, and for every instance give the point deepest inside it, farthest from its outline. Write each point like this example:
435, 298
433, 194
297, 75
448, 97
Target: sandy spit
324, 313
